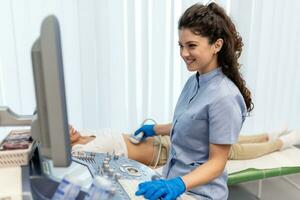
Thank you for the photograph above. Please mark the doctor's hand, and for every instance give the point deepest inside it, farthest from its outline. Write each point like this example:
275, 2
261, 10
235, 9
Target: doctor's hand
165, 189
148, 131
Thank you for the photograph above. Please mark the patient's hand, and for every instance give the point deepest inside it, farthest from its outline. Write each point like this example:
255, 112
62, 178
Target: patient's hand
77, 138
74, 134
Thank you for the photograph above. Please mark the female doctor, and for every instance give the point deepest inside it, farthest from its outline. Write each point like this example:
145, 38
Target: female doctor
210, 110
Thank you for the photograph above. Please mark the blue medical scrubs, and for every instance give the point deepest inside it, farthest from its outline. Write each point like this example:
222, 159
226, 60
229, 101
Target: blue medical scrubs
210, 110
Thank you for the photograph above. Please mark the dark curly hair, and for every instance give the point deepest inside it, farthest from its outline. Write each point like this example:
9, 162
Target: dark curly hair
211, 21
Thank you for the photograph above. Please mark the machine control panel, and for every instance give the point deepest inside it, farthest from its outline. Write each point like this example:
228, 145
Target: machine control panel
124, 174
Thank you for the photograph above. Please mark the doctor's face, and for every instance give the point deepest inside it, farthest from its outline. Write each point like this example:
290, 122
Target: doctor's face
196, 51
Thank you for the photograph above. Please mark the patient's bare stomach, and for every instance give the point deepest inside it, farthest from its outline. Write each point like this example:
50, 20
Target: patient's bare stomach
142, 152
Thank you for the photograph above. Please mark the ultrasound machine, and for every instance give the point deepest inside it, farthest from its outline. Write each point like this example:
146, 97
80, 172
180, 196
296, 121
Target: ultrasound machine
52, 158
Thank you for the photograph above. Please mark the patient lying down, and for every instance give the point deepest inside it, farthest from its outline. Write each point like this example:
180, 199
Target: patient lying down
150, 153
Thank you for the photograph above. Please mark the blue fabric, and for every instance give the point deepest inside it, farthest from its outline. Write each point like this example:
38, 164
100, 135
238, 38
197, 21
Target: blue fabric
166, 189
148, 131
210, 110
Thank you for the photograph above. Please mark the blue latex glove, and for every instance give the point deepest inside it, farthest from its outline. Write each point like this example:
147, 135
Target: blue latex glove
165, 189
148, 131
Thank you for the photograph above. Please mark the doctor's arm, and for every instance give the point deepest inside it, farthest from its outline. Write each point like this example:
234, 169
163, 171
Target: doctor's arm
163, 129
172, 188
211, 169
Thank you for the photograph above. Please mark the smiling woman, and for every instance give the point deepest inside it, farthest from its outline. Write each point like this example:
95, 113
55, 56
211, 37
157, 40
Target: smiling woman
196, 51
211, 42
210, 110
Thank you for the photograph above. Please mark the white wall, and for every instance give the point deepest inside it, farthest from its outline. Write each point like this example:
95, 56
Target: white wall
271, 63
122, 62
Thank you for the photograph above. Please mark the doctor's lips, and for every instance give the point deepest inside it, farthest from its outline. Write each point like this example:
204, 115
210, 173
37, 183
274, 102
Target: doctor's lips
189, 61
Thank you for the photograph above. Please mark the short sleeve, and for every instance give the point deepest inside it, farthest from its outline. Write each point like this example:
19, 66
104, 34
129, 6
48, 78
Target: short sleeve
225, 120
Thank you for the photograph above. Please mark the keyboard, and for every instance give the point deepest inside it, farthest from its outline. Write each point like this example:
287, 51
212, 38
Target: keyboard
131, 186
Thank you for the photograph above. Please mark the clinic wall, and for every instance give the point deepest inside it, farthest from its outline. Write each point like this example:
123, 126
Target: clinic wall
270, 60
122, 61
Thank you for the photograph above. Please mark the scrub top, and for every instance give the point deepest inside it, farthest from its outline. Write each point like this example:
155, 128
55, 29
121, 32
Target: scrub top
210, 110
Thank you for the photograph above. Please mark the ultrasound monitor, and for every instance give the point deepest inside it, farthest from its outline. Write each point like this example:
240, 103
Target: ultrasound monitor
50, 124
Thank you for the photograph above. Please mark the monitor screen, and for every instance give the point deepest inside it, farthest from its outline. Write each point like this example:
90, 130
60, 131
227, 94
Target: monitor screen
50, 125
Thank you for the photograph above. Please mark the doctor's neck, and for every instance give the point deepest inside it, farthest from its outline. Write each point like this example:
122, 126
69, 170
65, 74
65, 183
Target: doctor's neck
210, 67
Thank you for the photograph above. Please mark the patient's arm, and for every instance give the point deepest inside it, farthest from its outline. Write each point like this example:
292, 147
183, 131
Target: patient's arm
142, 152
77, 138
163, 129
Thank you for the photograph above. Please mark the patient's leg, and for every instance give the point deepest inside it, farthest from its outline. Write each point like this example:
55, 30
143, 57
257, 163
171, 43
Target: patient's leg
263, 137
244, 151
257, 138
